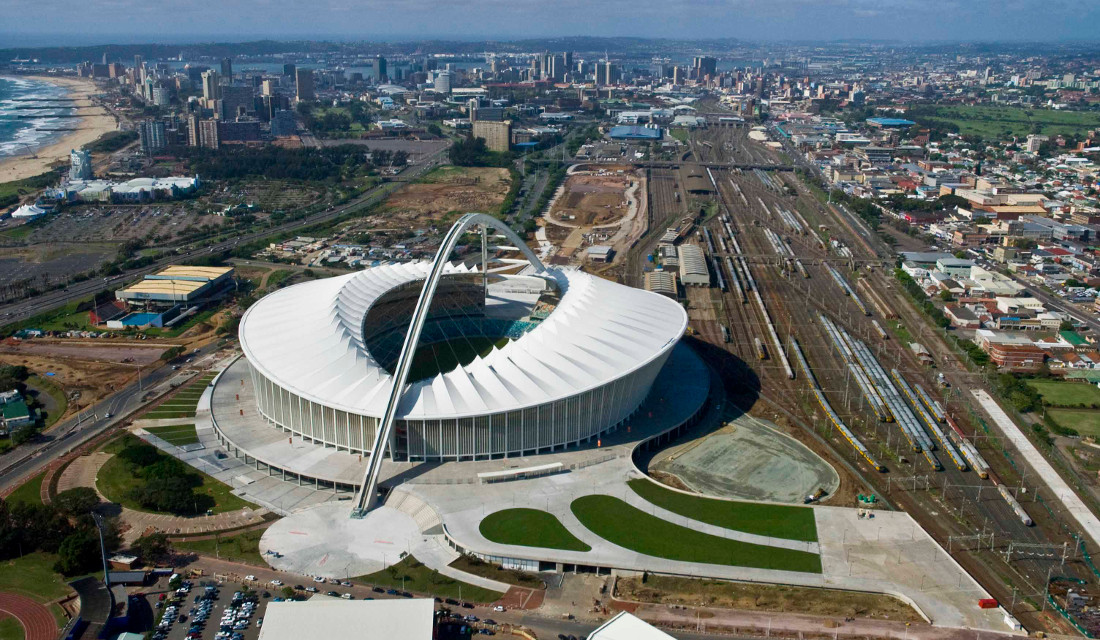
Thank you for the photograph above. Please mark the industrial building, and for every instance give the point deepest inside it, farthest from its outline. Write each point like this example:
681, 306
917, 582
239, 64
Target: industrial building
177, 285
662, 282
557, 370
693, 266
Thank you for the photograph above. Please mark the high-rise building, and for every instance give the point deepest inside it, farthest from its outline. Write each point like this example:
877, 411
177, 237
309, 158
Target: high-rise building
80, 165
284, 123
227, 69
443, 82
153, 137
497, 135
677, 78
268, 88
193, 136
208, 134
236, 100
381, 74
161, 96
303, 79
606, 73
211, 87
705, 66
289, 69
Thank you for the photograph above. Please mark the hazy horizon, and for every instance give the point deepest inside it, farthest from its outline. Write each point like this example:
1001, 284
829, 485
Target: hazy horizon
72, 23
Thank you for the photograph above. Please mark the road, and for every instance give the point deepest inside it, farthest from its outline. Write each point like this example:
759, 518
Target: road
48, 301
29, 459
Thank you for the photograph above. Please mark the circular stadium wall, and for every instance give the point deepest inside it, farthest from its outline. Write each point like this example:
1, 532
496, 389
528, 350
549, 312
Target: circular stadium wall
552, 359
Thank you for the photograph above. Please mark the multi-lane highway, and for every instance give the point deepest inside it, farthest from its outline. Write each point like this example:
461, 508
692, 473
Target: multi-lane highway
30, 458
48, 301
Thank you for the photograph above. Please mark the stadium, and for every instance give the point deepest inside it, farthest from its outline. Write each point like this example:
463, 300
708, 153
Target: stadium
498, 365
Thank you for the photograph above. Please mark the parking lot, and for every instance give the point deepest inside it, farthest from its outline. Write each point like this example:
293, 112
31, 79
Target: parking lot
217, 609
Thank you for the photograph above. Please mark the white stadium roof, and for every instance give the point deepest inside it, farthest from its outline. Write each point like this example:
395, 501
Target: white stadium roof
337, 619
307, 338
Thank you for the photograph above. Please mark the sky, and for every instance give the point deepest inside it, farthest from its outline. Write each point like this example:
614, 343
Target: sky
83, 22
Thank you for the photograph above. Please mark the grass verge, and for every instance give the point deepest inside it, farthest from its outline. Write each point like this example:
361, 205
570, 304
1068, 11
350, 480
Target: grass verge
479, 567
30, 492
1086, 422
421, 579
621, 524
179, 435
530, 528
242, 547
774, 520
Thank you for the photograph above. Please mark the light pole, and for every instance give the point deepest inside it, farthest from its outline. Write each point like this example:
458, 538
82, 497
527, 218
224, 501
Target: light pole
102, 548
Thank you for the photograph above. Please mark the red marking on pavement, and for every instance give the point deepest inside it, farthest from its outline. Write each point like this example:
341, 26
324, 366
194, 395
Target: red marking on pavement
323, 560
383, 542
38, 623
300, 533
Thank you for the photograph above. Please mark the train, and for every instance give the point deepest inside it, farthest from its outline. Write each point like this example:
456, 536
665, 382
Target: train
761, 352
880, 331
856, 443
1012, 502
932, 424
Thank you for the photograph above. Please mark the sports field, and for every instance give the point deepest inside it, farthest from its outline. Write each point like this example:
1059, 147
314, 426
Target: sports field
774, 520
441, 357
631, 528
1085, 421
1066, 394
998, 123
530, 528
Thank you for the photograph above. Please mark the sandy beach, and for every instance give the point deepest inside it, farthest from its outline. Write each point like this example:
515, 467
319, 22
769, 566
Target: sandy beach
94, 122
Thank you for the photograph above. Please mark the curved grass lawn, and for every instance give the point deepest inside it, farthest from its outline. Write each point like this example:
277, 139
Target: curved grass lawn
530, 528
774, 520
621, 524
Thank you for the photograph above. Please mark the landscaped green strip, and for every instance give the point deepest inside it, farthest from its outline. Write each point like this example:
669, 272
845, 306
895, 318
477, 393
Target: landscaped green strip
621, 524
243, 547
179, 435
530, 528
773, 520
116, 482
1085, 421
422, 579
30, 492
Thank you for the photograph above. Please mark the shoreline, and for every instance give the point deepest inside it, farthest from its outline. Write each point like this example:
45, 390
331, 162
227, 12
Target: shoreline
92, 124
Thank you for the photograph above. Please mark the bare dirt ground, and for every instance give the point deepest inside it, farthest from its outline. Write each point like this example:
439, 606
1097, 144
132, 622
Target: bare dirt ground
591, 200
90, 351
83, 381
445, 193
734, 595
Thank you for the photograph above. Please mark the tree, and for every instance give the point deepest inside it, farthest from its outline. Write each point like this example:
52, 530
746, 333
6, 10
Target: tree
77, 501
152, 548
78, 553
171, 353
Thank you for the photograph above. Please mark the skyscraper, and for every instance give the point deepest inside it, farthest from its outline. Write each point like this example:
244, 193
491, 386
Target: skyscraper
227, 69
80, 167
153, 136
380, 72
288, 69
303, 78
705, 66
211, 88
443, 82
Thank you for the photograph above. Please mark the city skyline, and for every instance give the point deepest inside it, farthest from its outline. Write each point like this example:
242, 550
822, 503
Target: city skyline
752, 20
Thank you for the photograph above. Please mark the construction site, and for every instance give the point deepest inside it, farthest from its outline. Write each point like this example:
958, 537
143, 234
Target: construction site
795, 319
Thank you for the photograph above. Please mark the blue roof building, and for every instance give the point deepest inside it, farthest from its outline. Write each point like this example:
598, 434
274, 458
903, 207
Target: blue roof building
628, 132
890, 123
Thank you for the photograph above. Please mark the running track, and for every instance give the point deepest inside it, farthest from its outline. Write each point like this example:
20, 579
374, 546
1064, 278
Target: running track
38, 623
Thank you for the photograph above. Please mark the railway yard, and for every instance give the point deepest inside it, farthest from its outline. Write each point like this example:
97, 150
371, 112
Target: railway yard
795, 319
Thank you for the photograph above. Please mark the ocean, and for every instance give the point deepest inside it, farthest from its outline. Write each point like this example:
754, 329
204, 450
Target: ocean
21, 135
